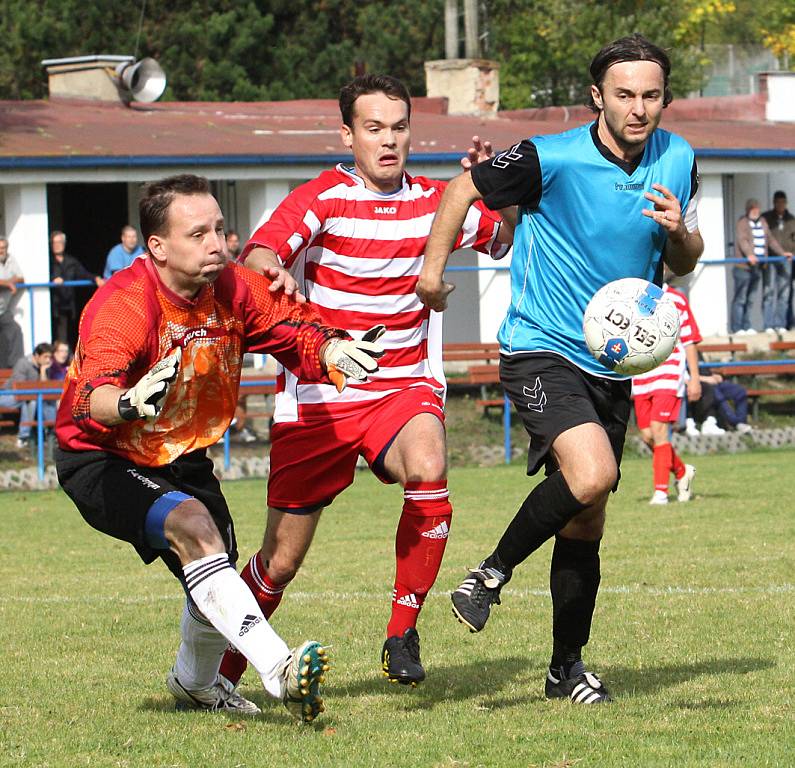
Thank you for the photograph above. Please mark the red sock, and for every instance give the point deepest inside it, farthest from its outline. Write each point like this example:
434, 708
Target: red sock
419, 547
661, 464
677, 465
268, 596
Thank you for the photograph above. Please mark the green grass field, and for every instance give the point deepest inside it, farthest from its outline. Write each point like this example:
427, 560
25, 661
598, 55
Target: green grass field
693, 633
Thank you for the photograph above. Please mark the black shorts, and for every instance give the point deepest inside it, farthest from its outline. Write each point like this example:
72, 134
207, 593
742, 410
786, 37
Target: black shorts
551, 395
114, 495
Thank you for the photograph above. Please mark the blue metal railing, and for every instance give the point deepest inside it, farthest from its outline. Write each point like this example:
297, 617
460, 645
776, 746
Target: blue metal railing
450, 268
39, 393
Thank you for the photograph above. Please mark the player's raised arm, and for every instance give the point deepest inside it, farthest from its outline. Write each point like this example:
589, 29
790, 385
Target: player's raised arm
455, 202
685, 243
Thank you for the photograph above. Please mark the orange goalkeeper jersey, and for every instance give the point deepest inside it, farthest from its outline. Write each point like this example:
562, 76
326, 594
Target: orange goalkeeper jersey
134, 321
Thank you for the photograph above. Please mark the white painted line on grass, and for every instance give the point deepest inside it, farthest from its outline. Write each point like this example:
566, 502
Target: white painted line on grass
330, 595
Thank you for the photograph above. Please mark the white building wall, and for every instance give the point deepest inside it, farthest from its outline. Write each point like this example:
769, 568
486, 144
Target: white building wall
27, 229
708, 284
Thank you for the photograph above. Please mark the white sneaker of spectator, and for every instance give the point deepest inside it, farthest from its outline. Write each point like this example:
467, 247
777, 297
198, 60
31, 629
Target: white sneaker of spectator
743, 428
690, 428
710, 427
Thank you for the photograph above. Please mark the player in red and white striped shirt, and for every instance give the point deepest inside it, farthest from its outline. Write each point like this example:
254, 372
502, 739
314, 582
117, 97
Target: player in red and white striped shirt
658, 398
353, 241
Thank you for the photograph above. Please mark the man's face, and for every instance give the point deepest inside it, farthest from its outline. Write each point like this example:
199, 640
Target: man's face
379, 138
129, 239
191, 252
779, 206
754, 213
631, 101
58, 245
3, 250
42, 360
233, 244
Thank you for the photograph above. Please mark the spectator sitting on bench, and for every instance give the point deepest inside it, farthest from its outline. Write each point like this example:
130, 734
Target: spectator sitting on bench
722, 404
31, 368
61, 358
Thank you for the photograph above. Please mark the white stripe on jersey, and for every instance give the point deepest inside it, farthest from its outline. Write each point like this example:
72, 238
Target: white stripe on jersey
360, 302
672, 375
380, 229
364, 266
338, 208
359, 193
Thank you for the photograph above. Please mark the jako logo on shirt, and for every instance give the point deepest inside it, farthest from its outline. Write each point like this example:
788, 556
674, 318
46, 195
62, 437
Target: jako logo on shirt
385, 209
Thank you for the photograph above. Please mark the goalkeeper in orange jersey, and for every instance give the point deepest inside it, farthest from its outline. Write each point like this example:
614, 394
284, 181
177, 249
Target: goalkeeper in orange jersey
155, 381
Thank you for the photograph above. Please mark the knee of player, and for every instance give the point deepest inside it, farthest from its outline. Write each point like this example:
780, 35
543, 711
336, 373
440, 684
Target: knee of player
282, 567
190, 529
429, 467
593, 482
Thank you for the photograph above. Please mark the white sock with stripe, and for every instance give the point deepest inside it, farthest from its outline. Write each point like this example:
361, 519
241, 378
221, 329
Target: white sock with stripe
200, 651
225, 600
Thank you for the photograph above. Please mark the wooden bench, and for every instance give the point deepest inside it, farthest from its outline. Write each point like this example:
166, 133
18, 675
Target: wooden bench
732, 348
782, 346
761, 368
54, 392
255, 386
8, 416
475, 351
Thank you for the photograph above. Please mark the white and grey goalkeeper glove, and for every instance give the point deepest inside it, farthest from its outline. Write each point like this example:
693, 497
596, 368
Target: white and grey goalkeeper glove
145, 399
353, 358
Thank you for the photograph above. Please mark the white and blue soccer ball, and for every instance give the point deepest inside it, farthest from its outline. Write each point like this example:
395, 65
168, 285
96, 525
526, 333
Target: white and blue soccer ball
631, 326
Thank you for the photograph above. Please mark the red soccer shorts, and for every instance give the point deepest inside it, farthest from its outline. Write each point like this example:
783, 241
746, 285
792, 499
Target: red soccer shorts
658, 406
313, 461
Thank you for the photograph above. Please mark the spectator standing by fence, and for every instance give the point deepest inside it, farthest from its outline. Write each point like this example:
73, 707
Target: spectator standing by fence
11, 346
782, 227
63, 268
123, 253
753, 242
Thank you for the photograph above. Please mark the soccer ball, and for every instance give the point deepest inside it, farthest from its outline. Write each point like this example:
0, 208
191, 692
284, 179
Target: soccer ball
631, 326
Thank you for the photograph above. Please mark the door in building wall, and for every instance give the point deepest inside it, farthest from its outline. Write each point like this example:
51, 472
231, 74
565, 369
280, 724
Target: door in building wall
92, 216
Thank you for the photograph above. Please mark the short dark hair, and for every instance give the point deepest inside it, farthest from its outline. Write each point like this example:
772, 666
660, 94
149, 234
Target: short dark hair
365, 84
43, 348
230, 232
631, 48
157, 196
779, 194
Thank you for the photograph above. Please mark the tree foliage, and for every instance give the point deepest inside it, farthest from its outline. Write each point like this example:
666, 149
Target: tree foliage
226, 50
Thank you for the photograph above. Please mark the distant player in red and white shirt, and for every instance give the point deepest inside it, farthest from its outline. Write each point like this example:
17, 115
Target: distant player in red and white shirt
353, 241
658, 397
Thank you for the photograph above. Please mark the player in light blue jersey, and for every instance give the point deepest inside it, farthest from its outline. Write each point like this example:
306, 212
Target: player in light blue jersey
612, 199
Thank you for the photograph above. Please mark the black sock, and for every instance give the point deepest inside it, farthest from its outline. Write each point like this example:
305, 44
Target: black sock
574, 582
543, 513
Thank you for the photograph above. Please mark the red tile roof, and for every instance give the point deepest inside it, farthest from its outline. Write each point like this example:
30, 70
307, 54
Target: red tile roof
44, 133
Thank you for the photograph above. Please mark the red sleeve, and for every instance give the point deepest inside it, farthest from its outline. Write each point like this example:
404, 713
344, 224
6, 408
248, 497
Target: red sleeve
277, 325
689, 332
298, 218
118, 343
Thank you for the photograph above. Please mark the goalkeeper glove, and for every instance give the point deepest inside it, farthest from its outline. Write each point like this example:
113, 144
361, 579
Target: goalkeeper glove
353, 359
145, 399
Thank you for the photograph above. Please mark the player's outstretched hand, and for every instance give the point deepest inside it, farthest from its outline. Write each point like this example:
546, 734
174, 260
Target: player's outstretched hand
480, 151
353, 358
434, 293
281, 279
145, 399
667, 211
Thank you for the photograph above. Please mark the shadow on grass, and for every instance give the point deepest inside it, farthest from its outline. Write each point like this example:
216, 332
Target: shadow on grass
630, 681
272, 710
447, 682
